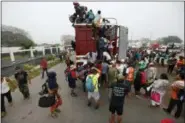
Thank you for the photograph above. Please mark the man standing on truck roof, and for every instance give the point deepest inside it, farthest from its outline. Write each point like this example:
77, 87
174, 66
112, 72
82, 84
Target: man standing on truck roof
97, 18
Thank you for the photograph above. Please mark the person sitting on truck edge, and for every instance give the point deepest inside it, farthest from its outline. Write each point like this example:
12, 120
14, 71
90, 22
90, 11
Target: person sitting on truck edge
90, 16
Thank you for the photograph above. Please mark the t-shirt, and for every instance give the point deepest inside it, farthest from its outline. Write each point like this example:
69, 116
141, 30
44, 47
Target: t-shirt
107, 56
119, 90
21, 77
104, 68
4, 88
97, 18
121, 68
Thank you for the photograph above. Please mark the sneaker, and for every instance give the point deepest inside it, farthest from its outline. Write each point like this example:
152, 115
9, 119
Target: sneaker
54, 114
166, 110
3, 114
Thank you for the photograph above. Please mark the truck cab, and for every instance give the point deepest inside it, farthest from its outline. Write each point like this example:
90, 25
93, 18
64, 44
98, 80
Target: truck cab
85, 43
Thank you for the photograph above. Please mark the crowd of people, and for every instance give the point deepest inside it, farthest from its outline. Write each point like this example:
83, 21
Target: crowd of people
139, 70
125, 77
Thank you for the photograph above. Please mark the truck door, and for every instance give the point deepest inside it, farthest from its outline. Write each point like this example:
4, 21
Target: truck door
123, 42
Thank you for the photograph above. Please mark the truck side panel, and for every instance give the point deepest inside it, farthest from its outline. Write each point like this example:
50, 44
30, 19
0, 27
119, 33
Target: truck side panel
84, 41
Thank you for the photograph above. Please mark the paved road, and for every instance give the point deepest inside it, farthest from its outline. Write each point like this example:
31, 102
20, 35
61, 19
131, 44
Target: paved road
75, 110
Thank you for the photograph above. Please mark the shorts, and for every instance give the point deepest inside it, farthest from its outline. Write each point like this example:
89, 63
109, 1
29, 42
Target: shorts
116, 109
94, 95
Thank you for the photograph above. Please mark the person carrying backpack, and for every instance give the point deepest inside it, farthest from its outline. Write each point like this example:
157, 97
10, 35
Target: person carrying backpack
52, 86
90, 16
92, 86
177, 96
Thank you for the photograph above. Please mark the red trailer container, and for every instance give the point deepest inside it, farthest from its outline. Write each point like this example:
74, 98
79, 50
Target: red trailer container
85, 42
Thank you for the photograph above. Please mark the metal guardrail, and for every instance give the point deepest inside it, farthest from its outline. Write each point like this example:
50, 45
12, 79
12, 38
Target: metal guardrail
10, 69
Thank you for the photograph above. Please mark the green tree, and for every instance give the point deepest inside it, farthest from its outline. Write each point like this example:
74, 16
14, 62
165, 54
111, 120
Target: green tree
170, 39
10, 37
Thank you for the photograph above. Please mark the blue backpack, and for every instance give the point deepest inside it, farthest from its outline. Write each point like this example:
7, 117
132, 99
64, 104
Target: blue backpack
89, 84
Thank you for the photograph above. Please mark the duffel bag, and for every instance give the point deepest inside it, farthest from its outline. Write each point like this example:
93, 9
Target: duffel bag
46, 101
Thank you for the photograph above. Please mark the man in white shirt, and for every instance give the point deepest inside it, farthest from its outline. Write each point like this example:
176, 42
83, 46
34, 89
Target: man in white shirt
107, 56
121, 66
97, 17
91, 56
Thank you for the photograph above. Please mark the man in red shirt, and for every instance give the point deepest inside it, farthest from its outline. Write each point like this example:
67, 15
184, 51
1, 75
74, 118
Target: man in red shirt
44, 66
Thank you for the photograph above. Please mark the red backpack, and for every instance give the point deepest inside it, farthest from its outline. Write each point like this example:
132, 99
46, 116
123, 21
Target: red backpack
143, 77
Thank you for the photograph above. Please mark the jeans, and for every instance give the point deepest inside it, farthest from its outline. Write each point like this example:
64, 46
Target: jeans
9, 98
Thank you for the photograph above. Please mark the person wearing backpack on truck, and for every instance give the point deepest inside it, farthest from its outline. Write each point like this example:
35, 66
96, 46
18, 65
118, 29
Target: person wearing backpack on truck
92, 86
90, 16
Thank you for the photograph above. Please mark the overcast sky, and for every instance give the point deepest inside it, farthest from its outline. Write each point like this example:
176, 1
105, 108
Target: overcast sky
47, 21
